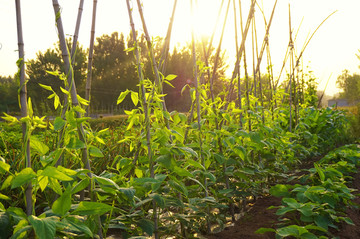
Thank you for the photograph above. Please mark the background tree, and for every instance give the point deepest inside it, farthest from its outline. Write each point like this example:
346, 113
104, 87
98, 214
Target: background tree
113, 72
350, 85
8, 95
180, 64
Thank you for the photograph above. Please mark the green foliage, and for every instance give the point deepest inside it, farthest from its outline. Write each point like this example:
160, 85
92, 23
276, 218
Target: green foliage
322, 199
8, 95
350, 86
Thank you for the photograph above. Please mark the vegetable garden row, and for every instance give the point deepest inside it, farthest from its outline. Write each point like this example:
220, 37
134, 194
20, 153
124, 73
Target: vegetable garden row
161, 173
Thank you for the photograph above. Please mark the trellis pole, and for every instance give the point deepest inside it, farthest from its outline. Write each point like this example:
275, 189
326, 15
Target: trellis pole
23, 104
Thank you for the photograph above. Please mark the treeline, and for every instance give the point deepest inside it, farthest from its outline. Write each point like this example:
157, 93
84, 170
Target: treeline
114, 71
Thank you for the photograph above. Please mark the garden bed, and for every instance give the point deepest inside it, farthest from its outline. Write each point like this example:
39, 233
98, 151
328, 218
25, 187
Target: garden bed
259, 216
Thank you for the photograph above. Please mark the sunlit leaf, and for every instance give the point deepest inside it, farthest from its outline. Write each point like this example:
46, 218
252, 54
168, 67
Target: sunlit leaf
38, 146
122, 96
44, 227
135, 97
95, 152
25, 176
63, 204
91, 208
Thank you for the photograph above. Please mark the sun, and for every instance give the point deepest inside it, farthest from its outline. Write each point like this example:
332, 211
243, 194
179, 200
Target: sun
203, 19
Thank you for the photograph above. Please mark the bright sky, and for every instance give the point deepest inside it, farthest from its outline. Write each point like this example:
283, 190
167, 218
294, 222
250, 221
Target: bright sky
332, 49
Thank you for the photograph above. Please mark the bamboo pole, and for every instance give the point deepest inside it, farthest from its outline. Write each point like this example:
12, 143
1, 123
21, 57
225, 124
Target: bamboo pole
291, 69
208, 45
197, 99
70, 79
76, 33
259, 58
246, 73
217, 55
241, 50
23, 104
146, 111
151, 53
72, 57
237, 56
165, 50
158, 81
90, 59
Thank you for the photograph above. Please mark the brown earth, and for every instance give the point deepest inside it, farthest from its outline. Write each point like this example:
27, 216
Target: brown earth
258, 216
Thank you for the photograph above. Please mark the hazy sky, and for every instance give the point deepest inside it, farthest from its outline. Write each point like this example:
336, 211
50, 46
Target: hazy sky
332, 49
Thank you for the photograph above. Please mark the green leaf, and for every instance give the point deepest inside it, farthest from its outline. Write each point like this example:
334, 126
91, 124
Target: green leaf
53, 172
139, 173
5, 225
322, 221
4, 167
166, 161
38, 146
308, 235
128, 192
264, 230
91, 208
66, 92
4, 197
291, 202
95, 152
9, 118
82, 101
147, 226
178, 186
122, 96
170, 77
55, 185
135, 97
46, 87
56, 102
292, 230
20, 230
75, 143
44, 227
190, 151
106, 181
219, 158
7, 182
182, 172
306, 210
320, 171
145, 180
25, 176
279, 190
284, 210
59, 123
158, 199
80, 185
63, 204
348, 221
43, 182
78, 225
195, 164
